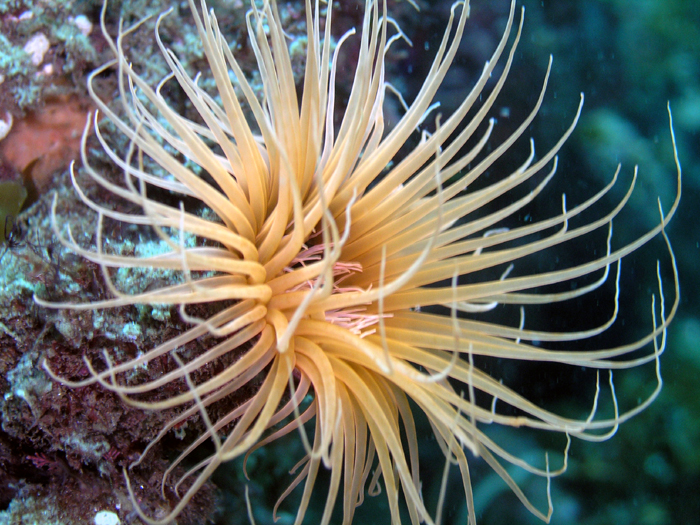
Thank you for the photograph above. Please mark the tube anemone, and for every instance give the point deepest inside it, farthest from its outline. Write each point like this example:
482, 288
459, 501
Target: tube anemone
346, 279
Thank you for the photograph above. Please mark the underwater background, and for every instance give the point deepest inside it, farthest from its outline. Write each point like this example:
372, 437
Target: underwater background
628, 58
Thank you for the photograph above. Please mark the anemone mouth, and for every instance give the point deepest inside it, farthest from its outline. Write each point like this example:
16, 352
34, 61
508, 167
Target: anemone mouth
346, 272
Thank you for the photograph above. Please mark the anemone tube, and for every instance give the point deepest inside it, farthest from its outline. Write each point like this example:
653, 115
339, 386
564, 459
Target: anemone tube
333, 256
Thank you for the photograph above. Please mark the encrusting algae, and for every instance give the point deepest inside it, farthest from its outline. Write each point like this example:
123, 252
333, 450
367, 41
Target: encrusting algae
347, 278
